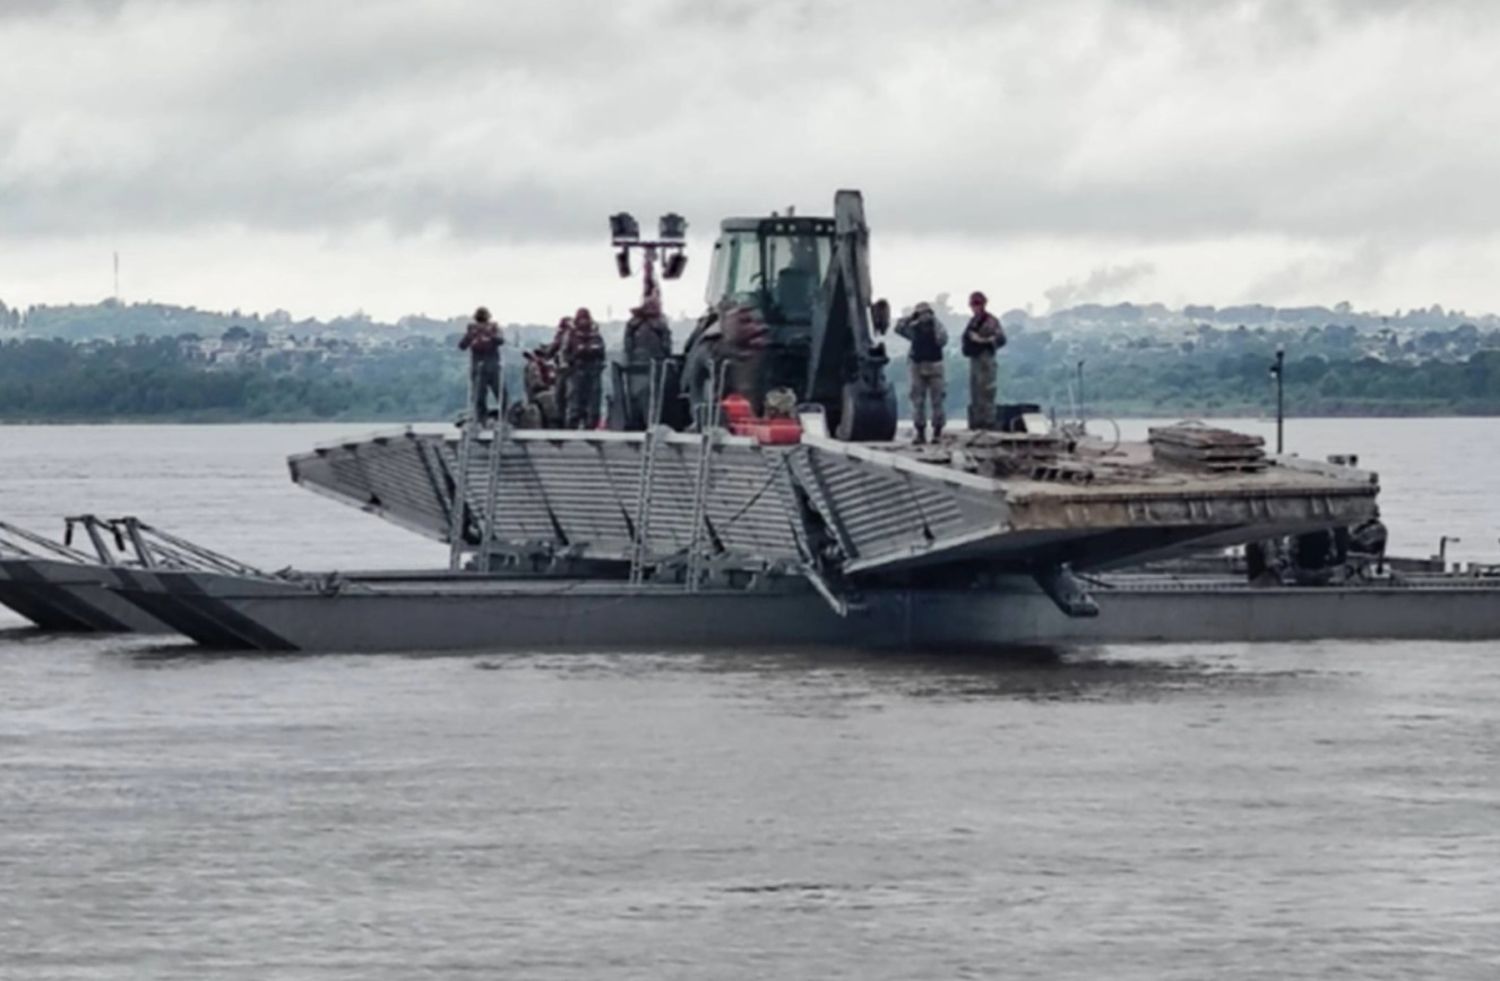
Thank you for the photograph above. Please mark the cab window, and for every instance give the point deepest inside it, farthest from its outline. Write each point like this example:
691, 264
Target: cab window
736, 268
795, 265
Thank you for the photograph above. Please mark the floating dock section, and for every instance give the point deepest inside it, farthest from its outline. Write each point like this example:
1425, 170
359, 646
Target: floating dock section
860, 510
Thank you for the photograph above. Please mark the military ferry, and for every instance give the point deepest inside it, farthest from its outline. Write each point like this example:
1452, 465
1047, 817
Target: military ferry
711, 514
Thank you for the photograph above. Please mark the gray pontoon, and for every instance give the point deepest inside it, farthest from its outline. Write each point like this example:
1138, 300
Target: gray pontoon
484, 613
57, 587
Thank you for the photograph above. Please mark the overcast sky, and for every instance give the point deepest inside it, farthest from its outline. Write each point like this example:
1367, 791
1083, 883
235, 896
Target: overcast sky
325, 156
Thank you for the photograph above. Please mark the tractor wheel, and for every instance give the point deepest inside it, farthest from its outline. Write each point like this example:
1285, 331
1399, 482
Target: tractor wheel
867, 415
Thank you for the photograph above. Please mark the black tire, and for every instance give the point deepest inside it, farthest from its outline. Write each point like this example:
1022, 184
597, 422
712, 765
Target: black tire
867, 415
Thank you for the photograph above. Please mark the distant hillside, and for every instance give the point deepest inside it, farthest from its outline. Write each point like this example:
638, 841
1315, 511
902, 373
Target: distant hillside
110, 319
112, 361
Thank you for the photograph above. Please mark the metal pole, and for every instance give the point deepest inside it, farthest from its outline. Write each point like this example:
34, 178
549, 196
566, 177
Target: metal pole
1279, 370
1082, 413
492, 491
647, 476
705, 478
457, 524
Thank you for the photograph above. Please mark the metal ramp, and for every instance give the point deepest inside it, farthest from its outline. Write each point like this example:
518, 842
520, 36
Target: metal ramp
19, 543
878, 511
580, 491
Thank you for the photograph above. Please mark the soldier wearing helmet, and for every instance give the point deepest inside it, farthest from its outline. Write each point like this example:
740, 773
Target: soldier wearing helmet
981, 339
483, 341
928, 337
648, 340
585, 358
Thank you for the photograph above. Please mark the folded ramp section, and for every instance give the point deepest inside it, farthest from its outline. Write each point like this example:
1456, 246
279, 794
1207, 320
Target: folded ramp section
886, 511
404, 477
579, 490
585, 491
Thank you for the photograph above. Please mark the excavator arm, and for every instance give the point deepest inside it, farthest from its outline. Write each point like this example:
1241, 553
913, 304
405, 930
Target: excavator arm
846, 366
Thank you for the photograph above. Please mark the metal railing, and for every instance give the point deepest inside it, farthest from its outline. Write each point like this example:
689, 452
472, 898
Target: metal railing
710, 436
19, 543
647, 476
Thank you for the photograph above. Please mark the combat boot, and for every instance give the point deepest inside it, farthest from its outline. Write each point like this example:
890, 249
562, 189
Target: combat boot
920, 437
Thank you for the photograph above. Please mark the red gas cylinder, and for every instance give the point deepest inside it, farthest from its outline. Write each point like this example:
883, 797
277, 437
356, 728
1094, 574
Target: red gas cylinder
736, 409
780, 432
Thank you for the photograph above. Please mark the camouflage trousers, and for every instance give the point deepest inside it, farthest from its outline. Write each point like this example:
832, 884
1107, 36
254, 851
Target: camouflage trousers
484, 380
928, 386
982, 391
585, 388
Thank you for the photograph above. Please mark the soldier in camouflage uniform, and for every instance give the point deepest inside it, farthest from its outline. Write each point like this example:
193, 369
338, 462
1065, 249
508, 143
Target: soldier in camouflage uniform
483, 341
928, 337
648, 339
586, 352
982, 338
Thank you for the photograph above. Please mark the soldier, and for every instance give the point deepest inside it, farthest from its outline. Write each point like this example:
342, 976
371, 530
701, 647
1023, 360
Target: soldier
541, 388
648, 336
732, 335
928, 337
559, 346
701, 357
482, 340
585, 348
648, 339
744, 345
982, 338
557, 352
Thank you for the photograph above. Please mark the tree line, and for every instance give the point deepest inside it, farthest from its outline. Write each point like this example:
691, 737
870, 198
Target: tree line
1215, 373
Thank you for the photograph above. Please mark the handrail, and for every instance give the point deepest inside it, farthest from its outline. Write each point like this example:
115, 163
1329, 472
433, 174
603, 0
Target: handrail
705, 477
155, 548
12, 537
657, 379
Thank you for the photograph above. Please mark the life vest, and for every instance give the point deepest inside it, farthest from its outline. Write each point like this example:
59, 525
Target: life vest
925, 348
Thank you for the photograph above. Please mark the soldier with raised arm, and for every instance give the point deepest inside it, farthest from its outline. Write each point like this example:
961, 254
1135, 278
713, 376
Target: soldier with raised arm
928, 337
482, 340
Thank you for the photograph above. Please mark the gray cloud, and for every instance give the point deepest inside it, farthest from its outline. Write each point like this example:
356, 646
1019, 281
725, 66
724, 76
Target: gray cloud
1153, 121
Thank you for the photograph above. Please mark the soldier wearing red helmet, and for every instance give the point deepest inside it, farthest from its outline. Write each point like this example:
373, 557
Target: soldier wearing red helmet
981, 339
585, 347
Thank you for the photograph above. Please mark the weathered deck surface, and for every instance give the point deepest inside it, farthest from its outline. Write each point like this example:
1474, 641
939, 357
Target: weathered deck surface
875, 509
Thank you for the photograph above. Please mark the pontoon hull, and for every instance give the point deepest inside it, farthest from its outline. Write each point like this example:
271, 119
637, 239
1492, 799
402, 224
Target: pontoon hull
71, 596
494, 615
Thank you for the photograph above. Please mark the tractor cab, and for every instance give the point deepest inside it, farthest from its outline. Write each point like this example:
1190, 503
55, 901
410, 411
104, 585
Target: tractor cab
789, 308
806, 280
774, 264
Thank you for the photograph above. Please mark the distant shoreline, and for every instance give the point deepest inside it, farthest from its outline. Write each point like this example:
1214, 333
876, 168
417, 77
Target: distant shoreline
1092, 413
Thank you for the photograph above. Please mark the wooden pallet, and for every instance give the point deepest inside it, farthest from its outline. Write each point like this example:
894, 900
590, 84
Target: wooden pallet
1203, 437
1207, 448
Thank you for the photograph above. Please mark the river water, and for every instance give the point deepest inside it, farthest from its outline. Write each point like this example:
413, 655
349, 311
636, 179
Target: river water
1230, 811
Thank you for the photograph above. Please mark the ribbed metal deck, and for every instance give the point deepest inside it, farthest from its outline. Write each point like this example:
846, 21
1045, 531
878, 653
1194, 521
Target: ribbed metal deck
883, 508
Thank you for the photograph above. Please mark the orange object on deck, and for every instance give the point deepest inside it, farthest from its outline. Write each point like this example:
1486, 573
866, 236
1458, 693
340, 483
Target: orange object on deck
769, 432
783, 431
736, 409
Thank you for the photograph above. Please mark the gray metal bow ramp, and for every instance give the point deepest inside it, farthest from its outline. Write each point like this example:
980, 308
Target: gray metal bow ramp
849, 512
